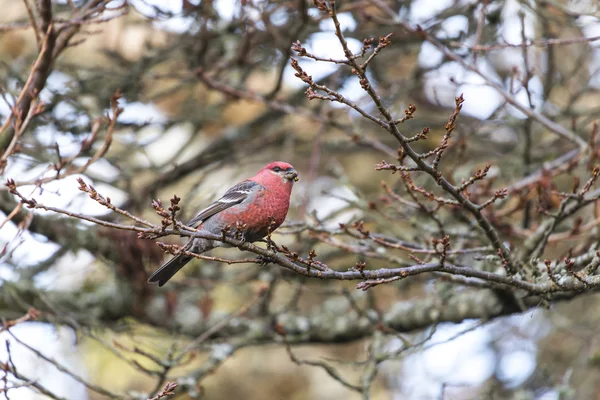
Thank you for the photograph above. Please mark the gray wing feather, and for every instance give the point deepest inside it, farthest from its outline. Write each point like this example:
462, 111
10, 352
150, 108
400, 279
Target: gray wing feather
236, 195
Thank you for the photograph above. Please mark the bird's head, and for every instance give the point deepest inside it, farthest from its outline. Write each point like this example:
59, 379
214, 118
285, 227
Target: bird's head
281, 169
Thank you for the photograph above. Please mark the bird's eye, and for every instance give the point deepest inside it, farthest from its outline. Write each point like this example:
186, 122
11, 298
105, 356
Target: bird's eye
277, 169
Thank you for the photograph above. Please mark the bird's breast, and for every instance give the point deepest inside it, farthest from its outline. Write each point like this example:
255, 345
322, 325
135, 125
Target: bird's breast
267, 211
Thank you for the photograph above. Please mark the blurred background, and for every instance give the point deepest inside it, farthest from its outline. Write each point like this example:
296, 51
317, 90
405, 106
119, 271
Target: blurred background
208, 98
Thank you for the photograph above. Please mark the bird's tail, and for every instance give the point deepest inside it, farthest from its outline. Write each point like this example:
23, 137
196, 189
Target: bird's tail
168, 269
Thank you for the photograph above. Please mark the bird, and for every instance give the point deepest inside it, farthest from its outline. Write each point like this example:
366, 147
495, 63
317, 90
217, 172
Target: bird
253, 207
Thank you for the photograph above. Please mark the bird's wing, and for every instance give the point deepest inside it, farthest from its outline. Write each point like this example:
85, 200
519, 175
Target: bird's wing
233, 196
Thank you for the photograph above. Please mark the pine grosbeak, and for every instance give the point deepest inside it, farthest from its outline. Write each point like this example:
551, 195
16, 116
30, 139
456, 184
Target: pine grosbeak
253, 207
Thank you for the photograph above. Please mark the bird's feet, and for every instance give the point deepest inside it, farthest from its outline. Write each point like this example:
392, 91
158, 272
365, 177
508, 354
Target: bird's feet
264, 260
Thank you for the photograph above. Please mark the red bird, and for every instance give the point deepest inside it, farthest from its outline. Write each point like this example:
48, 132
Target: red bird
252, 204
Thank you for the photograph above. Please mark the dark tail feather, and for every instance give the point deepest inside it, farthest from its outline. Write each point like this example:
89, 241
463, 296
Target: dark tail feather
170, 268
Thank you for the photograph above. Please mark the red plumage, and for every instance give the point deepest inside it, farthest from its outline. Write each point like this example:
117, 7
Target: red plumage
256, 204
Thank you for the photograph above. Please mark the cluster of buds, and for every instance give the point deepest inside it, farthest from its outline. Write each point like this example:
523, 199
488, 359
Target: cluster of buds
310, 262
304, 77
441, 246
160, 210
94, 195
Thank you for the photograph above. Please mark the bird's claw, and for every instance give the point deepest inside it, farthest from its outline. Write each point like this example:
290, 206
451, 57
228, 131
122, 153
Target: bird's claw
264, 260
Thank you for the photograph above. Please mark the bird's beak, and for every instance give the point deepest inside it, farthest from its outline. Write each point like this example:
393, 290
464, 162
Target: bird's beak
291, 175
